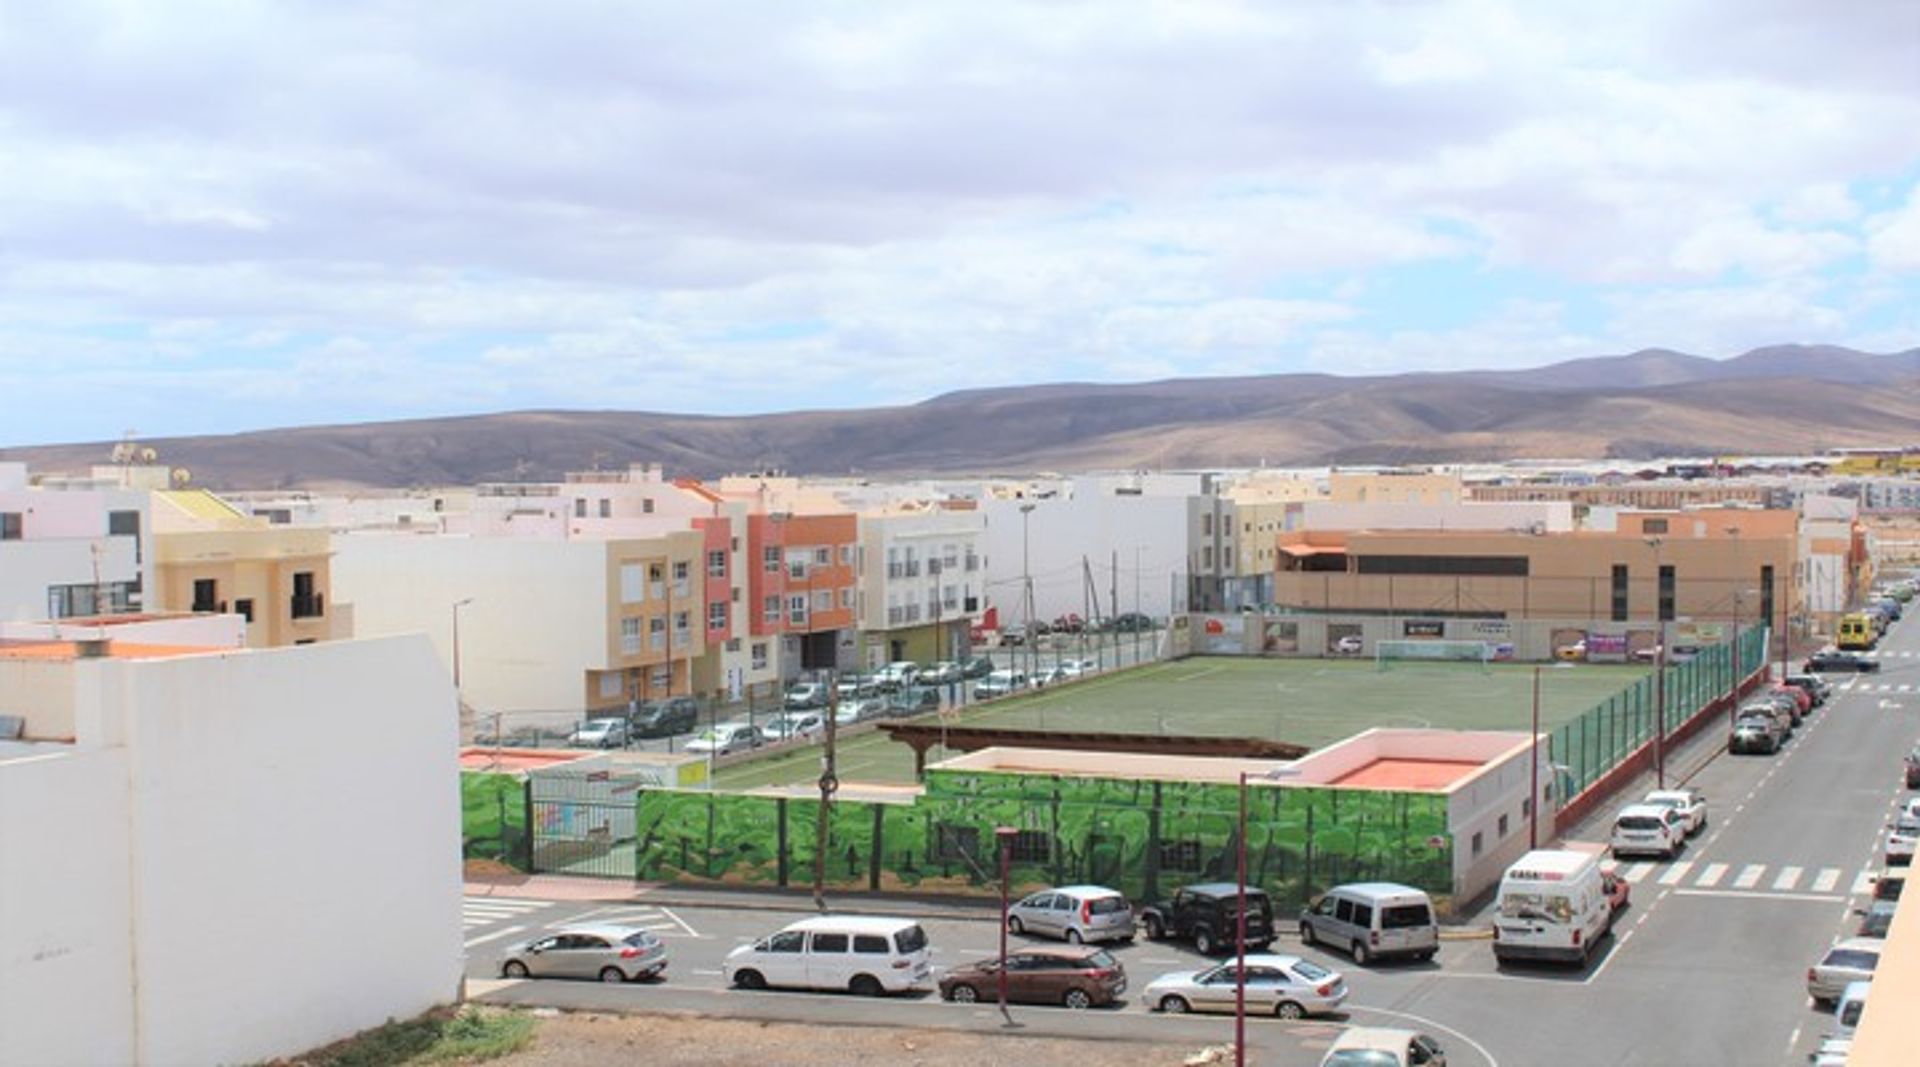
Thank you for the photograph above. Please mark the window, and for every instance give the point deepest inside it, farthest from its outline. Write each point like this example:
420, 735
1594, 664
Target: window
823, 600
770, 610
244, 609
870, 943
124, 524
629, 637
646, 505
787, 941
205, 595
606, 507
1619, 592
1363, 915
760, 655
846, 597
1653, 526
682, 620
609, 685
1766, 592
822, 557
1488, 565
716, 564
1476, 845
829, 943
770, 559
681, 571
1344, 910
580, 507
797, 610
633, 586
1032, 846
734, 595
1206, 525
306, 603
733, 644
657, 632
846, 555
10, 526
1501, 830
1180, 856
717, 615
1666, 592
953, 844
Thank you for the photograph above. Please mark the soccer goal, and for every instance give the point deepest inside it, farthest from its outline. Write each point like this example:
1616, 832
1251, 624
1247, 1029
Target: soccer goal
1388, 654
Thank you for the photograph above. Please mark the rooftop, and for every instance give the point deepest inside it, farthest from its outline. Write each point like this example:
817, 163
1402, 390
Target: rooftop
67, 651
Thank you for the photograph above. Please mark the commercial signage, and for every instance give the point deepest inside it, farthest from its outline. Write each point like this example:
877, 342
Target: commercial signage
1423, 628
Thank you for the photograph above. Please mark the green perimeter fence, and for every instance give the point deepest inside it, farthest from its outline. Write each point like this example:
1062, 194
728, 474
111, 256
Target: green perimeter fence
1587, 747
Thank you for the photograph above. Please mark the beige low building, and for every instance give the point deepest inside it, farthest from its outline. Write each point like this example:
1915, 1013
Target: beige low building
1717, 564
211, 557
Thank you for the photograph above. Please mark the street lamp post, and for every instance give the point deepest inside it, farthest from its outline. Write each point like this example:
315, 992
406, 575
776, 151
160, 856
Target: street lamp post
1026, 591
1659, 672
457, 605
1533, 776
1240, 917
1003, 836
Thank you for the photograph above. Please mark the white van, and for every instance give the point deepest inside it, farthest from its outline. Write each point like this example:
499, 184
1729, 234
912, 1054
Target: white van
842, 953
1373, 919
1551, 907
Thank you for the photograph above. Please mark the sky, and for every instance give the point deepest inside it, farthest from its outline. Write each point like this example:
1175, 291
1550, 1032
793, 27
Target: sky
222, 217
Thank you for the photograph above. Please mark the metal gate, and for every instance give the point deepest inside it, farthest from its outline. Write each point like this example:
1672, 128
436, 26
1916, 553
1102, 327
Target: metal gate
583, 822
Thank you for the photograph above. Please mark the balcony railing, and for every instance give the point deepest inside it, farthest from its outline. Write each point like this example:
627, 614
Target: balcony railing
309, 607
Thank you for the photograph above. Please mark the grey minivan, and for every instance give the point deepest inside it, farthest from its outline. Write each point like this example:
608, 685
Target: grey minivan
1373, 919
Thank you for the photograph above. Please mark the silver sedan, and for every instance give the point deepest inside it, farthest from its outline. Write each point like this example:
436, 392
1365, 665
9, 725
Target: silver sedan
1286, 986
608, 953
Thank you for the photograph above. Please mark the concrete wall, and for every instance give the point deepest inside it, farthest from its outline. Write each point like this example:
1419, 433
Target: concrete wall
40, 691
1147, 535
256, 932
535, 624
66, 964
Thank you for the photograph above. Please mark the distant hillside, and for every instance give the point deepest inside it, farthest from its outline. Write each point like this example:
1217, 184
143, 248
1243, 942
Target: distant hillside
1791, 398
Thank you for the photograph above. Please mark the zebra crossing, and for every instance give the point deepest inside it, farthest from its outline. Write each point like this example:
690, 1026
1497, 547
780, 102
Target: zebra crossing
1856, 685
1750, 879
477, 912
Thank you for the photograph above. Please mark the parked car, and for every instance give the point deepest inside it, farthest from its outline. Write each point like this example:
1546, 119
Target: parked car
896, 676
913, 701
1690, 803
608, 953
1070, 623
1648, 654
1374, 1046
864, 709
1206, 915
1649, 829
1782, 715
1875, 918
1350, 645
1073, 913
1572, 653
1013, 637
1074, 976
1286, 986
1834, 1051
1849, 960
664, 718
1758, 732
842, 953
1817, 688
1836, 660
1888, 884
599, 733
1901, 834
805, 696
977, 667
794, 724
1618, 891
945, 672
727, 738
1129, 622
1683, 654
999, 684
1913, 767
856, 686
1801, 699
1369, 920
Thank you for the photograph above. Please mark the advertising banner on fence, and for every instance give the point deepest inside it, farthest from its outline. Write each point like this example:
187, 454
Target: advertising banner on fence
1222, 635
1281, 637
1423, 628
1606, 648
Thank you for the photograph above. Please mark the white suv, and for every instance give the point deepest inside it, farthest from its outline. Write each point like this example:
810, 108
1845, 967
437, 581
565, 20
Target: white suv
1649, 829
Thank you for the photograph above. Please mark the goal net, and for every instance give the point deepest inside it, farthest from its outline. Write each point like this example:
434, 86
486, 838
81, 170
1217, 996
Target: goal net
1388, 654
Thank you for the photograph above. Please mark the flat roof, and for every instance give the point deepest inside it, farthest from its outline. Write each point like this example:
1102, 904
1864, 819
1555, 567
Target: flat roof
1391, 772
62, 651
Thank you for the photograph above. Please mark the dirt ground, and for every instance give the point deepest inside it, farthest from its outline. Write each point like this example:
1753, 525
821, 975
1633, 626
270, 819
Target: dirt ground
588, 1040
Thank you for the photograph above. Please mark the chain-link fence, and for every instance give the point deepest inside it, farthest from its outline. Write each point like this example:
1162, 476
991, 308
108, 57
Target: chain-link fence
1589, 746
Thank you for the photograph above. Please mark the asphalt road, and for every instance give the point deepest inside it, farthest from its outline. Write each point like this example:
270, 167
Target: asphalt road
1707, 965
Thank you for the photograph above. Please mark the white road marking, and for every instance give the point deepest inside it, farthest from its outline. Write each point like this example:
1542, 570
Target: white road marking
1789, 877
1749, 876
1637, 872
1711, 876
1747, 894
497, 934
1676, 872
1477, 1047
1862, 882
691, 932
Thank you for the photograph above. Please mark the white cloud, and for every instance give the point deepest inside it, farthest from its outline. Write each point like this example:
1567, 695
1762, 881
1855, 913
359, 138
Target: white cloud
749, 205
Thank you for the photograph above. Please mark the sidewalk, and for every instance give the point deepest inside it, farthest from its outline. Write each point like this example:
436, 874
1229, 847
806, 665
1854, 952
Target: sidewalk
618, 890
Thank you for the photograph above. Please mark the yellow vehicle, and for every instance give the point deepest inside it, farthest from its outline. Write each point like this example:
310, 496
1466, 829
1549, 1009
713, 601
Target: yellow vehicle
1856, 632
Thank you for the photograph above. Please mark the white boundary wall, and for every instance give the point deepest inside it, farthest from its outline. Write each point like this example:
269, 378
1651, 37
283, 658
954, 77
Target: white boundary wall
284, 846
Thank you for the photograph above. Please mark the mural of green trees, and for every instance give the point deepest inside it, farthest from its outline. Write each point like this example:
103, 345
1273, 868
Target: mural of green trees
493, 818
1142, 837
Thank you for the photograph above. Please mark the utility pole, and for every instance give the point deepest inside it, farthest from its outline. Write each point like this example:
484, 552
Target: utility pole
1026, 588
1659, 670
829, 780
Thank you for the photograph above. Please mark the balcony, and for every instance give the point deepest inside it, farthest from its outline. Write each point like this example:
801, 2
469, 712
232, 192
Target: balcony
973, 562
309, 607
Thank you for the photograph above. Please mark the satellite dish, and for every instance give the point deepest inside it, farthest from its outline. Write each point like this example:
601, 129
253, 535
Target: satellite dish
148, 455
180, 476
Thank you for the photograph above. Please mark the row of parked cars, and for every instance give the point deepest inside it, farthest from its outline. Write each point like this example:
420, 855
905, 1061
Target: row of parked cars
1769, 717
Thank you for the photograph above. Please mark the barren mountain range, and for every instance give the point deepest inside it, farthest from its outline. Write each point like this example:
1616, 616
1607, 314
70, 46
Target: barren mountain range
1783, 399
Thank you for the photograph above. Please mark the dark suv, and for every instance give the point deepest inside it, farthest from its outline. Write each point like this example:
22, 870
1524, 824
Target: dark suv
663, 718
1205, 914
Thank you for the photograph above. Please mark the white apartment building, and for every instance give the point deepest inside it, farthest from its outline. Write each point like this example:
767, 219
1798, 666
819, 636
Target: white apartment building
1100, 545
923, 577
74, 547
189, 875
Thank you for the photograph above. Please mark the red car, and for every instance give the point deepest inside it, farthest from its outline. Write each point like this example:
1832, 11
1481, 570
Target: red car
1617, 890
